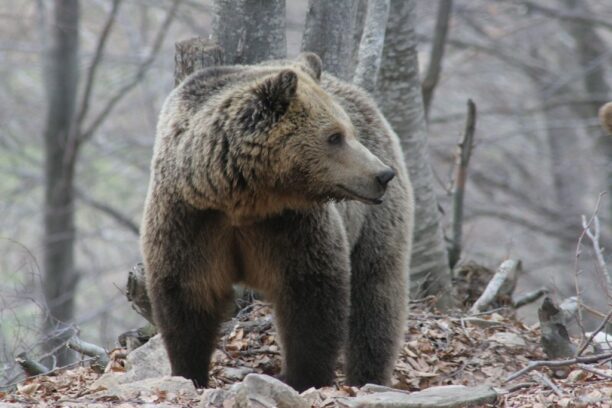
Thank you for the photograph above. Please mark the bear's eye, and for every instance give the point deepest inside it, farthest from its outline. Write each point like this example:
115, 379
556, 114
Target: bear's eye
335, 139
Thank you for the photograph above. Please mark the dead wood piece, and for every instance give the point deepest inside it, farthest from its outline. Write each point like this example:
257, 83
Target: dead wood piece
29, 366
132, 339
137, 292
195, 54
100, 355
501, 286
558, 363
555, 338
529, 297
464, 152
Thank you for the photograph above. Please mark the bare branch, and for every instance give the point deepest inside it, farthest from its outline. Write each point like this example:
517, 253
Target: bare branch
140, 73
529, 297
593, 334
558, 363
97, 58
562, 15
432, 74
464, 152
112, 212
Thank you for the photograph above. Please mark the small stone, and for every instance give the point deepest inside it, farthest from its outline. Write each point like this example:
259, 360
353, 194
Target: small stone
508, 339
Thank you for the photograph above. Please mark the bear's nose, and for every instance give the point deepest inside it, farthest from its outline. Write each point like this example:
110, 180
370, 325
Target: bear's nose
385, 177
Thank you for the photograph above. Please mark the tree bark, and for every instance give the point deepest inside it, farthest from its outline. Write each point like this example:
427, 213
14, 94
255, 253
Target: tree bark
399, 95
250, 31
61, 79
329, 33
371, 45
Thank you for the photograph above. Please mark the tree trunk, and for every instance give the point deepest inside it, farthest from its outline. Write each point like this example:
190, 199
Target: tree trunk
61, 78
371, 45
329, 33
250, 31
399, 95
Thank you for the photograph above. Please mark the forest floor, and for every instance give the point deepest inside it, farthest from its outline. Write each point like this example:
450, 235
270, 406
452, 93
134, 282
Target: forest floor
438, 350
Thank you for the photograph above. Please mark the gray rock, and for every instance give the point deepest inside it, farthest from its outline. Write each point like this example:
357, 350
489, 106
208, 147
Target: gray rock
214, 398
148, 361
263, 389
235, 373
172, 385
449, 396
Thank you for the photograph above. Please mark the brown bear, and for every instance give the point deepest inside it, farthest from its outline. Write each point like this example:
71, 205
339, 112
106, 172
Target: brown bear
605, 117
290, 182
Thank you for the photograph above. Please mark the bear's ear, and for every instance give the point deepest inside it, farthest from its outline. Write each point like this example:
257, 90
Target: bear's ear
312, 63
275, 93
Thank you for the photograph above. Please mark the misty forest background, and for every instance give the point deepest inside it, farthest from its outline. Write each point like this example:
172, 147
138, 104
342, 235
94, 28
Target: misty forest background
537, 71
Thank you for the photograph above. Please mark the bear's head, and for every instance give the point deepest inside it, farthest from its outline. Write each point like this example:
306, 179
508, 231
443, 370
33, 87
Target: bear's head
282, 142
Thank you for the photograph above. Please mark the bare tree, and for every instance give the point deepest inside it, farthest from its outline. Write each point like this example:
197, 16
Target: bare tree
371, 44
250, 31
399, 95
66, 130
329, 33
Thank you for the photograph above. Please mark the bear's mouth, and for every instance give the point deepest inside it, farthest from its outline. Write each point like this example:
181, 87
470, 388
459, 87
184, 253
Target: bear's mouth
356, 196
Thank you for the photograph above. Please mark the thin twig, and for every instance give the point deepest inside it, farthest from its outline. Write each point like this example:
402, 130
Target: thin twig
597, 330
558, 363
577, 271
593, 231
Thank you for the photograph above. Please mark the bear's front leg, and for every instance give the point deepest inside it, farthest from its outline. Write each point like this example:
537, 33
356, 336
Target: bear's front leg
312, 299
187, 284
378, 304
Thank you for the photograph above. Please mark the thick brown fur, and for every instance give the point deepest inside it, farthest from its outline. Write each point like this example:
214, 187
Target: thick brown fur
249, 185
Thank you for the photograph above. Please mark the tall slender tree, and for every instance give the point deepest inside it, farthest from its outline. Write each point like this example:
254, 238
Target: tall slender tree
61, 79
399, 95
